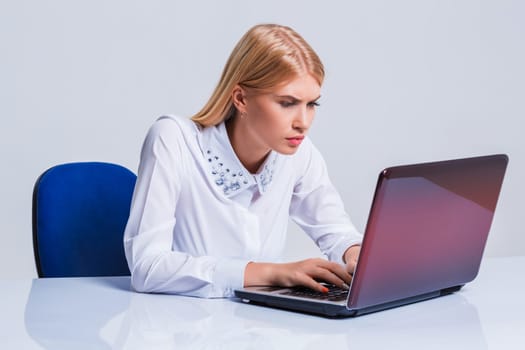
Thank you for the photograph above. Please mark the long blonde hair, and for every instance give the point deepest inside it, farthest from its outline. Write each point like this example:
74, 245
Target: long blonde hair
266, 56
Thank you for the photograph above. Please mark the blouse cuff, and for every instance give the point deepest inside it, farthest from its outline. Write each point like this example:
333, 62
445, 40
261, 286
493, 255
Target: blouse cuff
340, 248
229, 275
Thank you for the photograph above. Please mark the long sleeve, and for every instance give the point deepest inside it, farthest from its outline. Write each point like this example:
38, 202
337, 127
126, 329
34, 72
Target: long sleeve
317, 207
149, 235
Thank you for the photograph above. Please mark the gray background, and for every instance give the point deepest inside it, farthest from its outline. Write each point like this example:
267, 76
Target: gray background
407, 81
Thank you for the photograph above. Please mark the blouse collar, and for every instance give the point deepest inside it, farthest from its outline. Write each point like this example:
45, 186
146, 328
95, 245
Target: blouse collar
226, 169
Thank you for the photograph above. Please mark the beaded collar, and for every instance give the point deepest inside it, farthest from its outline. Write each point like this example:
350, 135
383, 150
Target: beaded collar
226, 169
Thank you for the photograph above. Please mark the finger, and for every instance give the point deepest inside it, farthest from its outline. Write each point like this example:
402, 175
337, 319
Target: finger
327, 276
350, 266
338, 270
350, 258
314, 285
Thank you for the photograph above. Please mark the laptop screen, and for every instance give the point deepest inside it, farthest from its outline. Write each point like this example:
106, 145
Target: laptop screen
427, 228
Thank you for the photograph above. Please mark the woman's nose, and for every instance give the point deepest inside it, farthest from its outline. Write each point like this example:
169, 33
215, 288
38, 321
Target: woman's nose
302, 120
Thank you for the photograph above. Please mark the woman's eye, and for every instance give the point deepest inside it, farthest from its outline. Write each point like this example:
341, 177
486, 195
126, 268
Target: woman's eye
286, 104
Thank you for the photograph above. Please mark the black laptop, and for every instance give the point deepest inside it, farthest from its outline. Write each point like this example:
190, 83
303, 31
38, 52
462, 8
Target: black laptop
425, 237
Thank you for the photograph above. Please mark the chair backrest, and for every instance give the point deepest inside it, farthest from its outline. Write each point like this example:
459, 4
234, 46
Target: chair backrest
80, 212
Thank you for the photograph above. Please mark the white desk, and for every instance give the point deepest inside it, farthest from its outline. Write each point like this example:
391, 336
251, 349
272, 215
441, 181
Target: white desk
101, 313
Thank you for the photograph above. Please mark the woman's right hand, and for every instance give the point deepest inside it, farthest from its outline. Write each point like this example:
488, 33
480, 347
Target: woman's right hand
306, 273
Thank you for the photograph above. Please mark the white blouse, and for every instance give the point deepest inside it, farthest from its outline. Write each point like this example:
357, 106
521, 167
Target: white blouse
198, 217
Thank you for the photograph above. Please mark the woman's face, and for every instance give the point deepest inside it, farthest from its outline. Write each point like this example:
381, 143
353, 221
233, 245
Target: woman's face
280, 119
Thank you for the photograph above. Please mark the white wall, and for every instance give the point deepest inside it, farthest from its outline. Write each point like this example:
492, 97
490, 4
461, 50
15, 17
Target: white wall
407, 81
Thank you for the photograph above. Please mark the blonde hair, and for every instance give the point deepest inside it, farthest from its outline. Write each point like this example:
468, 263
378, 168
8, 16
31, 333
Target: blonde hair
266, 56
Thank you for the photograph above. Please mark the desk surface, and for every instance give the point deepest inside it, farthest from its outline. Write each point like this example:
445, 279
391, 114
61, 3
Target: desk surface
102, 313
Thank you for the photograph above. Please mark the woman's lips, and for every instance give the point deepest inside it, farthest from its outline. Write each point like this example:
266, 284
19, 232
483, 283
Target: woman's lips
295, 141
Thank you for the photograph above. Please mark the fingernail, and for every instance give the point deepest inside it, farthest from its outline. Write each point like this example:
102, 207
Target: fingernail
345, 286
324, 290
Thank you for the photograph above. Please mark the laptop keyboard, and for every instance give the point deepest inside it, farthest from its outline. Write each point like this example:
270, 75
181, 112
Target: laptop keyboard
334, 293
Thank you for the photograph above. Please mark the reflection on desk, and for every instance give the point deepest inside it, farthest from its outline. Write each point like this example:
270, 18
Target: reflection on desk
99, 313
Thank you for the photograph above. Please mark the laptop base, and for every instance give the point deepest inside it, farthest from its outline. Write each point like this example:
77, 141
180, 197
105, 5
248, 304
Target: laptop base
332, 310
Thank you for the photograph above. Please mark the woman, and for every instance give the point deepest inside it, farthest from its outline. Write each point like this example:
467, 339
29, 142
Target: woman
214, 194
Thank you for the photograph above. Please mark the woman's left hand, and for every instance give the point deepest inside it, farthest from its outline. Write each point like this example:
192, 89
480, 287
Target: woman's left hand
350, 258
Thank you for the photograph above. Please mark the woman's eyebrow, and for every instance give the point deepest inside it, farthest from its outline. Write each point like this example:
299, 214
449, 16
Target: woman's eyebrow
295, 99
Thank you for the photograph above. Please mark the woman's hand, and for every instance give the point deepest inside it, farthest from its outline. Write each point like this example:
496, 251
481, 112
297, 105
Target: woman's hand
306, 273
350, 258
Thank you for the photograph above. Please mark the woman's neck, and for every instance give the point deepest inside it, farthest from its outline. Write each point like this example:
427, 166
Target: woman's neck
251, 155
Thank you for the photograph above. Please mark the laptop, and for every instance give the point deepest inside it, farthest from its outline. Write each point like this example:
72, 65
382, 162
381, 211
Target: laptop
425, 236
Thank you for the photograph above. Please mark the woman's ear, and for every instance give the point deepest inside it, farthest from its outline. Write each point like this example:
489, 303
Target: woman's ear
239, 99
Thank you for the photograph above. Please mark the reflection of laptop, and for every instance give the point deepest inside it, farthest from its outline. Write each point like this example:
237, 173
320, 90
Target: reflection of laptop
425, 237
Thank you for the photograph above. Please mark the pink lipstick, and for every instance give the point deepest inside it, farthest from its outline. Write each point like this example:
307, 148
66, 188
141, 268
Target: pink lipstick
295, 141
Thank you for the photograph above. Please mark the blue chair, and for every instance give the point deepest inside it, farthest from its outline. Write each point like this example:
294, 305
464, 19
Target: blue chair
80, 212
